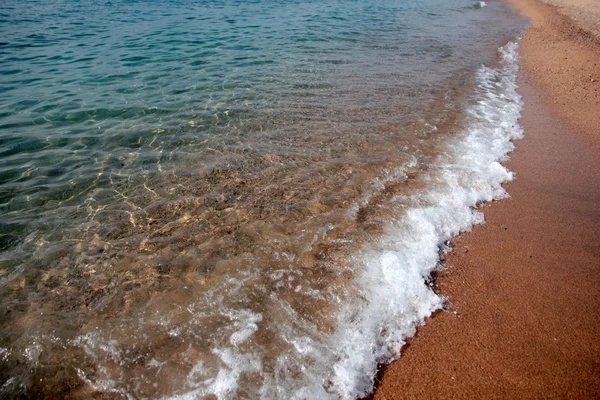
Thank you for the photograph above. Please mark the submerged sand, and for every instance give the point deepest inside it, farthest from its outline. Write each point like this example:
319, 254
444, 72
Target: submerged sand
523, 289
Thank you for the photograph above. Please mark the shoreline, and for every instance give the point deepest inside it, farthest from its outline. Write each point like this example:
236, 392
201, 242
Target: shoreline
522, 319
561, 56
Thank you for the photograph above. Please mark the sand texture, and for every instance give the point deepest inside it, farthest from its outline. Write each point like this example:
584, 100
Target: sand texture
561, 55
585, 13
524, 288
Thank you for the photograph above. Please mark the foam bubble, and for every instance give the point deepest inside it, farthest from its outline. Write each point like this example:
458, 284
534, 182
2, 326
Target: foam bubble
245, 321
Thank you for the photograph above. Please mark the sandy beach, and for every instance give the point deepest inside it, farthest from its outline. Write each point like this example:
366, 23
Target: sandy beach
522, 319
246, 200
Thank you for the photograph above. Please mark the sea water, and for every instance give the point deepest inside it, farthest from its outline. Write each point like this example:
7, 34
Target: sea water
237, 199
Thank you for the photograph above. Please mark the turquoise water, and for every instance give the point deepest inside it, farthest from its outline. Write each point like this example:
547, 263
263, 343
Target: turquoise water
153, 152
95, 95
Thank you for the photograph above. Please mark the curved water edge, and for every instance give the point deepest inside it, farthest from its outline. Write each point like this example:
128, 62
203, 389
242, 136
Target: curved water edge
398, 268
395, 295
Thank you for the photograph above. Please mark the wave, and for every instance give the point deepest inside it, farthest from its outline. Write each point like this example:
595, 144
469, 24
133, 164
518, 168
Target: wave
280, 328
396, 294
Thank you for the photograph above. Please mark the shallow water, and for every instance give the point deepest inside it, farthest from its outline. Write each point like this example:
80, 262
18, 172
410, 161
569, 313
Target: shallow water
192, 193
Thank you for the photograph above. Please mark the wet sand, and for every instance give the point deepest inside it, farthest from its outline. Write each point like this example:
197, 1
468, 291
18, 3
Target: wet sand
522, 319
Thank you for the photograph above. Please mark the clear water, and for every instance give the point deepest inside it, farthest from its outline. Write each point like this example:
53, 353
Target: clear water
188, 188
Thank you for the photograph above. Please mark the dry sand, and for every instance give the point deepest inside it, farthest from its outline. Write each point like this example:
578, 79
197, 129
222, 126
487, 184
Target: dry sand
561, 55
525, 287
585, 13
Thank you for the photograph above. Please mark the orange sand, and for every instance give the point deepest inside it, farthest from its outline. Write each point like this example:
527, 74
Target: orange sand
562, 59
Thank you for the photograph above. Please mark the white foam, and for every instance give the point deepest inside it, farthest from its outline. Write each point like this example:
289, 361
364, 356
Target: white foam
395, 296
225, 384
395, 278
245, 321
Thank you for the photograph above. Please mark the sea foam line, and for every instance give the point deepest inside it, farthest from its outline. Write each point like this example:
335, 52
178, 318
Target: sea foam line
395, 295
397, 268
